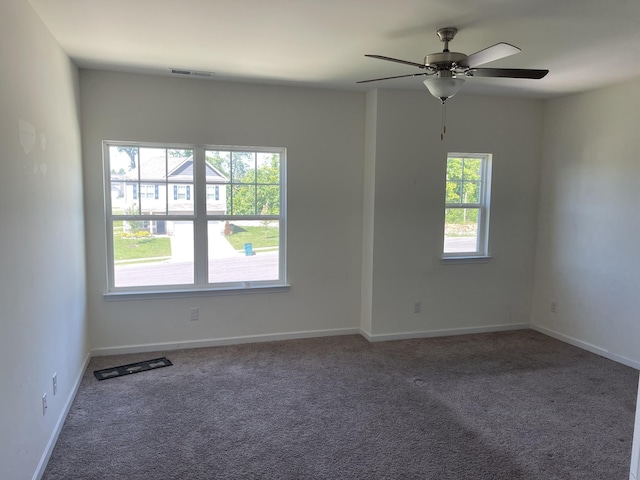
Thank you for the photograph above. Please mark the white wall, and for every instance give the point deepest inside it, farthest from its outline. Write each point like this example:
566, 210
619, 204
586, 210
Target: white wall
323, 131
588, 259
42, 269
408, 216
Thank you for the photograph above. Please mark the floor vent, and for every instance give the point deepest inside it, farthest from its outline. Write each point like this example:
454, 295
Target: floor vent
193, 73
130, 368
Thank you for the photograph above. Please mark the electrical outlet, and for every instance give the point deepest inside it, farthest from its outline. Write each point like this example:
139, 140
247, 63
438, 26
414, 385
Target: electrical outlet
194, 314
44, 404
55, 384
554, 307
417, 307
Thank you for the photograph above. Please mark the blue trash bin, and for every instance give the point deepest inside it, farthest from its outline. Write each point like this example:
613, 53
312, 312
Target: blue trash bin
248, 249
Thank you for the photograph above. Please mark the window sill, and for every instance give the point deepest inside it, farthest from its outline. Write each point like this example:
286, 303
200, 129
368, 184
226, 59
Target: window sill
149, 294
469, 259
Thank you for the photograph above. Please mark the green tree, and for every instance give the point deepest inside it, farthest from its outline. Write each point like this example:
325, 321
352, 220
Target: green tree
463, 187
233, 165
268, 189
255, 185
181, 153
134, 226
133, 155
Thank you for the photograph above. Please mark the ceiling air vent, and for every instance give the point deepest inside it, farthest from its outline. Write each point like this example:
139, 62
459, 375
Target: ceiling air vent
193, 73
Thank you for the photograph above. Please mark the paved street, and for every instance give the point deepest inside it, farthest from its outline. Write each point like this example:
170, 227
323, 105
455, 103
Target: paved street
225, 263
459, 244
261, 266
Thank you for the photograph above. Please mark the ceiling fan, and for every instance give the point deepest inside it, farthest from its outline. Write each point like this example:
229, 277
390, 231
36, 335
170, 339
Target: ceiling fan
445, 68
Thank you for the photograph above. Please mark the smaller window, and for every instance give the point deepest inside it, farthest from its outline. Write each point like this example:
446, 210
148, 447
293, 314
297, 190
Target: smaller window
148, 191
213, 192
466, 213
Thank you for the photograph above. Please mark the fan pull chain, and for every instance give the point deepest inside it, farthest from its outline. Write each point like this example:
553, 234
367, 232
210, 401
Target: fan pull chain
444, 117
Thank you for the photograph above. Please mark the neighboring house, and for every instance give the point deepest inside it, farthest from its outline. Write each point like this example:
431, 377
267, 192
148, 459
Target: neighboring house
166, 188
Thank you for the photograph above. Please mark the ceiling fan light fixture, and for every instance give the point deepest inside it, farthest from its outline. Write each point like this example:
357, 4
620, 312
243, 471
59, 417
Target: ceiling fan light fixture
443, 87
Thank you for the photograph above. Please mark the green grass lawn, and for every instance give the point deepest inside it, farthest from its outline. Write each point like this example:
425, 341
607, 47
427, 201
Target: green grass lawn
260, 237
141, 248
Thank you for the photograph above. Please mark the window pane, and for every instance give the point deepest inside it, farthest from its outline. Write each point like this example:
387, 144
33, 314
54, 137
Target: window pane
454, 190
153, 199
153, 253
123, 179
243, 167
243, 199
220, 161
216, 199
243, 251
118, 203
472, 169
470, 192
180, 168
181, 198
179, 153
454, 169
268, 168
123, 159
153, 164
268, 200
217, 176
129, 204
461, 230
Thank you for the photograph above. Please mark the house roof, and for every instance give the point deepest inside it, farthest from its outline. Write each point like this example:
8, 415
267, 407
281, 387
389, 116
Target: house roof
179, 169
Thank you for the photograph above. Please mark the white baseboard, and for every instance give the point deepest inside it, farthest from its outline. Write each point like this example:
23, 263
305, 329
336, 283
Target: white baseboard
383, 337
587, 346
42, 465
216, 342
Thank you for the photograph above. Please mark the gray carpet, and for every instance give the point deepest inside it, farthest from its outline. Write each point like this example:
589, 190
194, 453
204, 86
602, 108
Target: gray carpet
511, 405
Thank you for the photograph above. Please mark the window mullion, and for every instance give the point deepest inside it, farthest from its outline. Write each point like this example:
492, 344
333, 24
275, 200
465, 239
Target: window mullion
201, 253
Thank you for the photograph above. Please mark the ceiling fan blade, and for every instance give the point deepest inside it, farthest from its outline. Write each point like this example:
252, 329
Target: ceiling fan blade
507, 73
397, 76
397, 60
489, 54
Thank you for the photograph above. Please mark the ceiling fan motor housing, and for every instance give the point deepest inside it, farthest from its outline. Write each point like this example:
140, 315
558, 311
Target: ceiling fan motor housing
443, 60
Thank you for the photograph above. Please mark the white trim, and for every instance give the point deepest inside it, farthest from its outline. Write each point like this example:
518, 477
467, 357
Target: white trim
247, 289
199, 217
383, 337
587, 346
469, 259
216, 342
483, 205
44, 459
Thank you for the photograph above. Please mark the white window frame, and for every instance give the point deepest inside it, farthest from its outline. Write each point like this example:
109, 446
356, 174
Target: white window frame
200, 220
481, 253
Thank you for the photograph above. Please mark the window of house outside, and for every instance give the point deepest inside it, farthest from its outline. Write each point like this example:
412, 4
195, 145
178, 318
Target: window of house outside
468, 192
189, 218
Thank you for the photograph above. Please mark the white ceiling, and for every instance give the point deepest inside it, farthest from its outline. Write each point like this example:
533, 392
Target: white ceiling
584, 43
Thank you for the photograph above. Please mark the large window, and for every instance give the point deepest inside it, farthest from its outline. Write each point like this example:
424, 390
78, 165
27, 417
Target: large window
194, 217
468, 187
